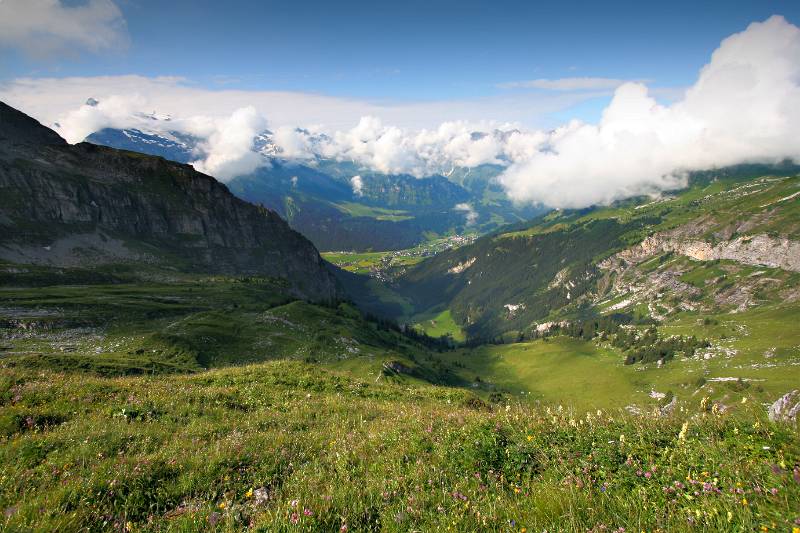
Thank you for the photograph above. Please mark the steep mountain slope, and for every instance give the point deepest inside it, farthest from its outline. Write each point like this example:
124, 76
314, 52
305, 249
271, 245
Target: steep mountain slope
577, 263
87, 205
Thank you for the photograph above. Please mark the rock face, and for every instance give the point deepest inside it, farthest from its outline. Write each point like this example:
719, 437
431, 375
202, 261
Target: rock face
87, 205
751, 250
786, 408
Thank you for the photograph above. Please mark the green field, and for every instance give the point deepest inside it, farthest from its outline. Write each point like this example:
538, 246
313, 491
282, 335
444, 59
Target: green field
585, 375
439, 325
378, 213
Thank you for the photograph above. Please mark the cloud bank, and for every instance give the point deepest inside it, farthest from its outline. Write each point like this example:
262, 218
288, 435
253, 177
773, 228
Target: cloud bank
48, 27
744, 107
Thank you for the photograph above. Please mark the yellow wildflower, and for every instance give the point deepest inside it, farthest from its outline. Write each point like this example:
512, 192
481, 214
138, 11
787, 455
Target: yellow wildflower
684, 429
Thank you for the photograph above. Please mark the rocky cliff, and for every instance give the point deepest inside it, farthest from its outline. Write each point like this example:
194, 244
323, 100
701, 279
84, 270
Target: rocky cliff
761, 250
86, 205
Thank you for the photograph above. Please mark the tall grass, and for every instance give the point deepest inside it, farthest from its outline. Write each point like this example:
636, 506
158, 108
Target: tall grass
287, 446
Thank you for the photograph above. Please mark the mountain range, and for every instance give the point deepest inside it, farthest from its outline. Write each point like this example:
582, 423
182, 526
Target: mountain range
319, 198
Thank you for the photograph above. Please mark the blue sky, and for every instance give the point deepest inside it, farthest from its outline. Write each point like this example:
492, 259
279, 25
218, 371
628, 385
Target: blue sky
413, 50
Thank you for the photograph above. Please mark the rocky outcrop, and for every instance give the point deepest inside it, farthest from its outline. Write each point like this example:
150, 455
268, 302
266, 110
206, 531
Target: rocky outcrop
87, 205
786, 408
461, 267
396, 367
761, 250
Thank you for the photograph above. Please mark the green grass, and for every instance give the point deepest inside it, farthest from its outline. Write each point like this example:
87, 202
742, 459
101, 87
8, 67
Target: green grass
356, 262
262, 447
439, 325
184, 326
586, 375
378, 213
574, 373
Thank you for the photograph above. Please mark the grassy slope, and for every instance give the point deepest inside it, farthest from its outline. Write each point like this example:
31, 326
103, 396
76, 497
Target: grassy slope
262, 446
518, 266
186, 325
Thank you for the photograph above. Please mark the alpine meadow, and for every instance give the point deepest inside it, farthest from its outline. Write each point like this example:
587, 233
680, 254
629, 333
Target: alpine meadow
514, 267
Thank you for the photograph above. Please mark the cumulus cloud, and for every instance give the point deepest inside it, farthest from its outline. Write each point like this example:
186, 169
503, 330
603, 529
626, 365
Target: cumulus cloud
565, 84
112, 112
48, 27
358, 185
744, 107
393, 150
229, 148
294, 143
470, 215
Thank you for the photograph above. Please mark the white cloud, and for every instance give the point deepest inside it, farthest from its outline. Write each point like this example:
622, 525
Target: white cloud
471, 216
294, 143
566, 84
358, 185
229, 148
744, 107
48, 27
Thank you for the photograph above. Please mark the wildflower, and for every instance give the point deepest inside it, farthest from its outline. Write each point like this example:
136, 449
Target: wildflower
222, 505
648, 475
343, 528
249, 493
213, 519
744, 501
530, 438
308, 512
684, 429
730, 516
744, 399
294, 503
129, 526
294, 518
